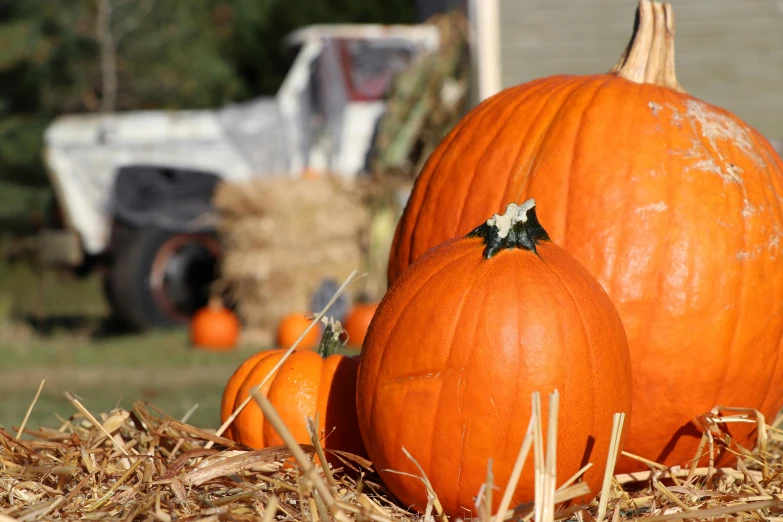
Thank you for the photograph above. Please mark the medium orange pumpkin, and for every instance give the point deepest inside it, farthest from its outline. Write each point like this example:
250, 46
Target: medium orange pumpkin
214, 327
306, 383
459, 343
292, 326
672, 203
357, 321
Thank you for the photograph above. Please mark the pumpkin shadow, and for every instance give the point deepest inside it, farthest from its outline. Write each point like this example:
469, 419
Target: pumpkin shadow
688, 430
738, 434
341, 423
588, 451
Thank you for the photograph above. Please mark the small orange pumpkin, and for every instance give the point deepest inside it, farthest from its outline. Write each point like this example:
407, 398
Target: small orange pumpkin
306, 383
214, 327
292, 326
357, 321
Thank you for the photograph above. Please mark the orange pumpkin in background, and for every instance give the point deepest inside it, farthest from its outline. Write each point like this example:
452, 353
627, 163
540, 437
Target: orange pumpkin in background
672, 203
458, 345
214, 327
357, 321
306, 383
291, 328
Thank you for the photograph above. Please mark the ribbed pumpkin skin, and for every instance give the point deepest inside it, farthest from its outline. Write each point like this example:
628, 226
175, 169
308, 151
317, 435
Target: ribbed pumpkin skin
673, 204
456, 348
304, 384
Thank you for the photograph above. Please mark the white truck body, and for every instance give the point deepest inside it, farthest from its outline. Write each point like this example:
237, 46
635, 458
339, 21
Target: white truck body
316, 121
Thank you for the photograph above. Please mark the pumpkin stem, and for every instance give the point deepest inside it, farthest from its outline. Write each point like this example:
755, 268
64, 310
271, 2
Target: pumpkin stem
330, 339
649, 57
518, 227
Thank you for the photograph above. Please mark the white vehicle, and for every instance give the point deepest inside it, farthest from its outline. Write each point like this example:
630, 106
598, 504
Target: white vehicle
134, 189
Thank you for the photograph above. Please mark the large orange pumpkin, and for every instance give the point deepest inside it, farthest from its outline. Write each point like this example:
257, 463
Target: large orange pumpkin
459, 343
214, 327
672, 203
306, 383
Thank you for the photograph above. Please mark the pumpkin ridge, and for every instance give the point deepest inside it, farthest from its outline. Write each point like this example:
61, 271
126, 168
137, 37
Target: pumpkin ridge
772, 384
738, 317
436, 272
454, 137
246, 386
710, 149
512, 179
301, 369
500, 128
424, 285
473, 352
574, 156
480, 116
622, 234
508, 116
449, 364
760, 147
459, 386
672, 191
677, 211
228, 400
555, 268
757, 139
433, 438
542, 133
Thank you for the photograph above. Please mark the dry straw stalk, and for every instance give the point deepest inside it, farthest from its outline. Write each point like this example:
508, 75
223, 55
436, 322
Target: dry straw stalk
142, 464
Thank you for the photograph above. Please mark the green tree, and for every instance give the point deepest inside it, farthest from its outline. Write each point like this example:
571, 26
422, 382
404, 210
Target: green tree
53, 56
70, 56
254, 43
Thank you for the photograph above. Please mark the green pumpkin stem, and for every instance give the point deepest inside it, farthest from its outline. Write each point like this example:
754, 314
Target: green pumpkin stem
330, 339
518, 227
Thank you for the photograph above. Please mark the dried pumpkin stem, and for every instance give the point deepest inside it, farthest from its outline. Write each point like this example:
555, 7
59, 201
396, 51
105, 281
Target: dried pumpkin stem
649, 57
518, 227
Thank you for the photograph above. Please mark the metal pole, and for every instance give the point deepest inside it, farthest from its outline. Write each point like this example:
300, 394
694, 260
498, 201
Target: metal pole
485, 20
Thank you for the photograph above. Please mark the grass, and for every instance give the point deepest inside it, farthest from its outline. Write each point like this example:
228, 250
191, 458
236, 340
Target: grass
159, 367
104, 372
46, 324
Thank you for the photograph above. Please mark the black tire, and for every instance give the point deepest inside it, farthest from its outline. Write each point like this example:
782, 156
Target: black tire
53, 215
157, 278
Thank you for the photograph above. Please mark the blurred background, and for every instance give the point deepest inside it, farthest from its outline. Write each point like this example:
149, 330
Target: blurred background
152, 153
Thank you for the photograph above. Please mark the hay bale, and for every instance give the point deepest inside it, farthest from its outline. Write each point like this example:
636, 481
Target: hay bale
270, 212
282, 238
